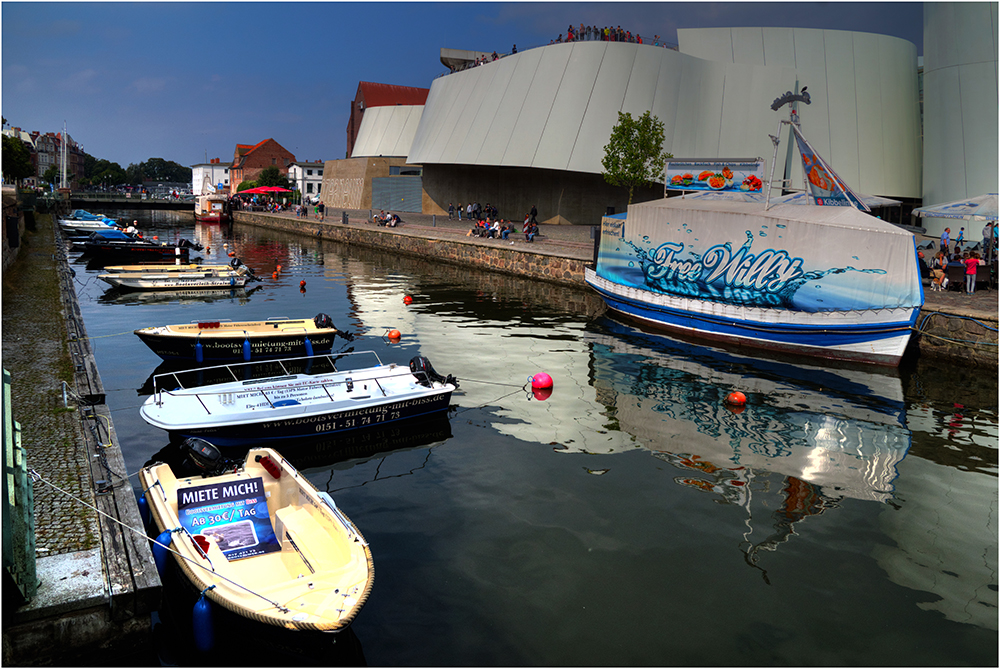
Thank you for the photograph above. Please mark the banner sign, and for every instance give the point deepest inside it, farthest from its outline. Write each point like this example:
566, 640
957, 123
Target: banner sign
740, 175
828, 189
231, 514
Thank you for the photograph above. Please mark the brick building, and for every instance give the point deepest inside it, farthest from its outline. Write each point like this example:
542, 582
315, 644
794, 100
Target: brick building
250, 160
44, 150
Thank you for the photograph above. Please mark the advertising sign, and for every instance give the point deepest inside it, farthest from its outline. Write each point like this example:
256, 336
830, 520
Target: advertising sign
738, 175
232, 514
826, 187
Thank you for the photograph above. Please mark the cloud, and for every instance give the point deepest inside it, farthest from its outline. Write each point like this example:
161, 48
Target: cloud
145, 85
82, 82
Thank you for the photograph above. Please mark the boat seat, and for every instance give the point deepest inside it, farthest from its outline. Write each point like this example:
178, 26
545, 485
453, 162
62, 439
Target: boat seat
312, 538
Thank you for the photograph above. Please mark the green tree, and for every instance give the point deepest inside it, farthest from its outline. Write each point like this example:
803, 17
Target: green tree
54, 177
272, 176
16, 159
246, 185
634, 155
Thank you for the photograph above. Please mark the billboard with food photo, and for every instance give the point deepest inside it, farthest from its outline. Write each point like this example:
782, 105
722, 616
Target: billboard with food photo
739, 175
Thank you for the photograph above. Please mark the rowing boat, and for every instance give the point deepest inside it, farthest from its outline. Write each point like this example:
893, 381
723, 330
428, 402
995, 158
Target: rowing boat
260, 541
293, 406
225, 341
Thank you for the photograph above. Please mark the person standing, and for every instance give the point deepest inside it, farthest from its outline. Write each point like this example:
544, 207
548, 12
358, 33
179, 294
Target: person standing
321, 210
988, 232
469, 210
945, 240
972, 263
451, 211
534, 215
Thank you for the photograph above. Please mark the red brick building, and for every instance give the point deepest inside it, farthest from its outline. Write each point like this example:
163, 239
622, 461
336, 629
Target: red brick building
249, 161
379, 95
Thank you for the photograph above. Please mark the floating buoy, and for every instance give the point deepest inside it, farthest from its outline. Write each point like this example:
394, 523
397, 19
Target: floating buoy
541, 380
736, 398
407, 300
144, 509
232, 253
208, 249
393, 335
201, 621
302, 284
309, 347
278, 269
160, 552
274, 275
156, 237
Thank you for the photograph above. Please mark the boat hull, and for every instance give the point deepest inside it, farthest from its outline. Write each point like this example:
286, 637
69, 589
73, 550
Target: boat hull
181, 282
877, 338
212, 218
232, 348
112, 250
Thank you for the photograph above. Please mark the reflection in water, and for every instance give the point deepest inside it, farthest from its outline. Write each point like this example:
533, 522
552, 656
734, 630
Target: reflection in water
841, 429
120, 296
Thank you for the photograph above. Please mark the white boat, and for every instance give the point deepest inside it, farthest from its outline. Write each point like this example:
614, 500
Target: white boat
87, 227
168, 279
165, 267
827, 280
262, 543
297, 405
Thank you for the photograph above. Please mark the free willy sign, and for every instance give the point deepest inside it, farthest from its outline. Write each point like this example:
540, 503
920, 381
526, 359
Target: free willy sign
232, 514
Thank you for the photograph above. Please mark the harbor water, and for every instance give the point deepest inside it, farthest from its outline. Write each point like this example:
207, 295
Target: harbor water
845, 516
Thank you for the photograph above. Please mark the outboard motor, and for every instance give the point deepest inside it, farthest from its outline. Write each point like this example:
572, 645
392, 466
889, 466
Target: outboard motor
187, 244
203, 457
235, 263
324, 321
425, 373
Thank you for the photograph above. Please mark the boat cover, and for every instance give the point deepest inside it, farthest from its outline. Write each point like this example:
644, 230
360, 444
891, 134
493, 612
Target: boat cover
793, 257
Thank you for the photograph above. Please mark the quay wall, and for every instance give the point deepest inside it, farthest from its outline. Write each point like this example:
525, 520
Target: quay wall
966, 336
544, 266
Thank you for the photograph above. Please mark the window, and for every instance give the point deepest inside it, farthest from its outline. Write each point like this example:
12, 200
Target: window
320, 172
309, 172
274, 161
309, 188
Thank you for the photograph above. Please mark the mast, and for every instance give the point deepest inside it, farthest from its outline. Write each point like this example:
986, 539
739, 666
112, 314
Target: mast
62, 156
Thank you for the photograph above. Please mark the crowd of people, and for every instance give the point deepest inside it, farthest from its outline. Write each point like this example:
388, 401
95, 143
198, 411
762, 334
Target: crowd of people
488, 224
969, 260
584, 33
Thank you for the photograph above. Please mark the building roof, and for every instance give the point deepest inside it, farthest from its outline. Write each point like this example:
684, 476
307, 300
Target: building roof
385, 95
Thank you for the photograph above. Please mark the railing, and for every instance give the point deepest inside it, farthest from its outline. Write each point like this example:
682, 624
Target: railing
287, 374
18, 510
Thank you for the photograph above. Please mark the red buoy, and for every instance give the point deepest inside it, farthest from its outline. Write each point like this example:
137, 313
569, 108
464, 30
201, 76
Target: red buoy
394, 334
278, 269
541, 380
736, 398
274, 275
232, 253
302, 284
407, 300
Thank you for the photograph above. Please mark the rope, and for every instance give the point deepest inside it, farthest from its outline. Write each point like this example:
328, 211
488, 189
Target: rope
117, 334
37, 477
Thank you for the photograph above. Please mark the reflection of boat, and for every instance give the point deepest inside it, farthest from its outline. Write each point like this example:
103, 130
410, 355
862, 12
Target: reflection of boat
246, 538
298, 405
168, 279
841, 429
827, 281
118, 296
221, 341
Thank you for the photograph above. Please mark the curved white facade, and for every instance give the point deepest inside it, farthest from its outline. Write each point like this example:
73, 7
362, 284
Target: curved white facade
387, 131
960, 105
553, 107
864, 118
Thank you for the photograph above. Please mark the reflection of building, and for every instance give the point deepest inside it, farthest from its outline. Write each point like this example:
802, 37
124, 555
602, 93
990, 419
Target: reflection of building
249, 161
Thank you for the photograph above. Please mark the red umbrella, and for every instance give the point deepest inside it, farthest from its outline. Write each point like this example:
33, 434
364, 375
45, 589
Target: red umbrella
262, 190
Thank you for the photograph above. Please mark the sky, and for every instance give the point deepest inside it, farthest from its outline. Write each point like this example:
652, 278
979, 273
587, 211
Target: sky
187, 82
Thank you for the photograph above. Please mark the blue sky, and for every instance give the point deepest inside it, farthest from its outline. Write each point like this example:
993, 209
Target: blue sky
180, 81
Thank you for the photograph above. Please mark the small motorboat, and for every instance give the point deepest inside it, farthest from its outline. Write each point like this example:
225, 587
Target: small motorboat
170, 280
86, 227
256, 538
232, 341
165, 267
115, 244
297, 405
165, 277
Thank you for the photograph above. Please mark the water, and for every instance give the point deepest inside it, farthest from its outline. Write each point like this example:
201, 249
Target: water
845, 517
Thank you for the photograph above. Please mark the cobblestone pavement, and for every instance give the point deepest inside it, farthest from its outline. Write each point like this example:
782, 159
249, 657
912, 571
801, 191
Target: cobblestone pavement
35, 354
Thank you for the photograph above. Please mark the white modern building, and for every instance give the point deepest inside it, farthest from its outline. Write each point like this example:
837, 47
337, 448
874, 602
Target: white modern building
306, 177
213, 172
960, 106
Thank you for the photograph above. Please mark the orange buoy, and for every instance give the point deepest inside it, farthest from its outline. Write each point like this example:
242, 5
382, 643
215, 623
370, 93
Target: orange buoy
232, 253
302, 284
274, 275
736, 398
394, 335
278, 268
407, 299
208, 249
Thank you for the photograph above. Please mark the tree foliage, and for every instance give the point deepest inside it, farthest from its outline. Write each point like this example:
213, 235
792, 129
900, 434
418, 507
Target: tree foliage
634, 155
272, 176
16, 159
246, 185
157, 169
